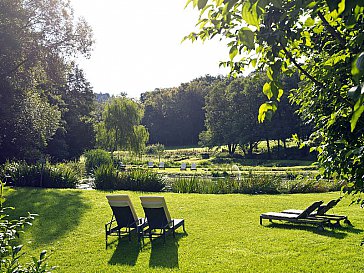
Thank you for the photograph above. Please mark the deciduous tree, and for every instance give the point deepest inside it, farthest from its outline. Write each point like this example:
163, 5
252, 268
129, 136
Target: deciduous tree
323, 41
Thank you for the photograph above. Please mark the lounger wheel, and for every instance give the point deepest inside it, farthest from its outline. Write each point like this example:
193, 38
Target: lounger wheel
347, 221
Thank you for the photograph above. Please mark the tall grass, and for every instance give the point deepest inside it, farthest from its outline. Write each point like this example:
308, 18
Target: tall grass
38, 175
107, 177
250, 184
95, 158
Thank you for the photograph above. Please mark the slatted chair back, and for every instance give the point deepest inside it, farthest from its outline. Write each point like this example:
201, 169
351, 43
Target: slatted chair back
309, 209
156, 211
325, 208
123, 210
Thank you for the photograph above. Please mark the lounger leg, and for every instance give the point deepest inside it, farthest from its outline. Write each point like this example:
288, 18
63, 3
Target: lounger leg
183, 226
347, 221
106, 235
261, 220
321, 227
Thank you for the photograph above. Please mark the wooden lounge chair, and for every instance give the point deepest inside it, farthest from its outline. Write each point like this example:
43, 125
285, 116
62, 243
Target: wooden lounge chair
322, 213
302, 218
158, 217
124, 217
193, 167
150, 164
183, 167
161, 165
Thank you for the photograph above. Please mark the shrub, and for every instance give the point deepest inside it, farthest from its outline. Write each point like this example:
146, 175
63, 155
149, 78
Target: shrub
95, 158
186, 185
77, 167
250, 184
107, 177
48, 176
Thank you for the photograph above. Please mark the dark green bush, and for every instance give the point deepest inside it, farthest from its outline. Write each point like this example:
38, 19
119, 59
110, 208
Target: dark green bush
96, 158
107, 177
46, 176
77, 167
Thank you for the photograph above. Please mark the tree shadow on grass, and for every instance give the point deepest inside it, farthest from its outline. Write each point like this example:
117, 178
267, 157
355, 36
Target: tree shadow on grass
126, 253
165, 254
338, 233
59, 211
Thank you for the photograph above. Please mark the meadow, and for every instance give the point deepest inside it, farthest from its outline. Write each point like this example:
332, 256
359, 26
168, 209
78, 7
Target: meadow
223, 234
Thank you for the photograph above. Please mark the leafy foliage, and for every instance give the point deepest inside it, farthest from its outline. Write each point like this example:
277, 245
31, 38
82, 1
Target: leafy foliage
107, 177
231, 110
96, 158
251, 184
38, 175
322, 40
39, 40
120, 126
76, 131
175, 116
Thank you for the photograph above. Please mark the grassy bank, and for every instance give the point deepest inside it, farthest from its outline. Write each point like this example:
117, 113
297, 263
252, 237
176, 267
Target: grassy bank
223, 234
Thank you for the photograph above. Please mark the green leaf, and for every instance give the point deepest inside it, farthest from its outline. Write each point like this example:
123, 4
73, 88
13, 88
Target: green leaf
188, 2
270, 107
267, 90
254, 62
309, 22
246, 37
233, 52
250, 15
358, 110
270, 73
201, 4
341, 7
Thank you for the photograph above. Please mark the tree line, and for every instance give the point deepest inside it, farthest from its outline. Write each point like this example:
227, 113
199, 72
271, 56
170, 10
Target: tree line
217, 111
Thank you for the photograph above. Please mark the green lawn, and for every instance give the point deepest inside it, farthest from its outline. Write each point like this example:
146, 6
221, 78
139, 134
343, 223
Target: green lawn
223, 234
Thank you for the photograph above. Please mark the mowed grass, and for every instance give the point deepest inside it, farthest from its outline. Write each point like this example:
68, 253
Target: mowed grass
223, 234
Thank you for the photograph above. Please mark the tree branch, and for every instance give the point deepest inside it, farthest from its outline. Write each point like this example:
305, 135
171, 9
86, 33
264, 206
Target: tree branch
300, 68
319, 84
331, 29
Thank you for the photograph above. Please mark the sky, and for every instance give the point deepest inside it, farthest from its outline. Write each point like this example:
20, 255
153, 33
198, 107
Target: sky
138, 46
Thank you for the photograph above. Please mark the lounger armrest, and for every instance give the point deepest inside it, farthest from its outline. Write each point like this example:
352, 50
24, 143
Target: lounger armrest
109, 223
169, 224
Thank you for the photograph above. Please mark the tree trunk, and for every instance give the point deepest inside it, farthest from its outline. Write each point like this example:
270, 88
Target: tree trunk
250, 150
268, 147
232, 148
